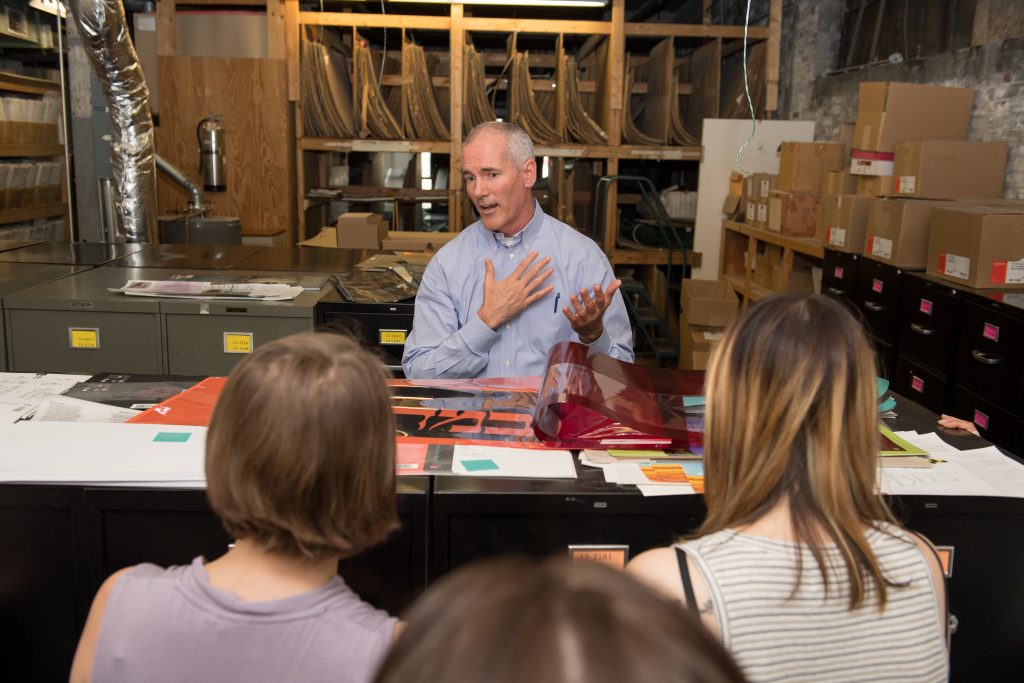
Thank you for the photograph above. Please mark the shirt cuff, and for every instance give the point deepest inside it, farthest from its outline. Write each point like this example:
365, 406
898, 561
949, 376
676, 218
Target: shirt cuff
478, 337
602, 344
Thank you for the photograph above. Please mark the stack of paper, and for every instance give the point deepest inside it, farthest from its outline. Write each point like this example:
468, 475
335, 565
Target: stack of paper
21, 392
188, 289
498, 461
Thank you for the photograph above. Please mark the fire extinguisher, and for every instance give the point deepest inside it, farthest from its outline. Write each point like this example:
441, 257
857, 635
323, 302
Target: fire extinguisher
210, 138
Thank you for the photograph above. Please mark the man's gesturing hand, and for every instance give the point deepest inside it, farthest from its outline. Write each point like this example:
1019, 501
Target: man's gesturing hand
505, 299
587, 311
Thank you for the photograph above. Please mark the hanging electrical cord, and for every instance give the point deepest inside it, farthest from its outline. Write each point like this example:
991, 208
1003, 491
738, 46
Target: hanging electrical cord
746, 89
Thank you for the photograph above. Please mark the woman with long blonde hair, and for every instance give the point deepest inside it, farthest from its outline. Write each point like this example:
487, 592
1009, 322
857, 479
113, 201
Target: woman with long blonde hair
799, 565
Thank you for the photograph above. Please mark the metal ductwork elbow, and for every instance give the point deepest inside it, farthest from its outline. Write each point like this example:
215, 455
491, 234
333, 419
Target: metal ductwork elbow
105, 36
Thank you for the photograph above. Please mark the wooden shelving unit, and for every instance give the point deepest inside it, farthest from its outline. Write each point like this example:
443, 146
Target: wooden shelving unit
19, 215
740, 244
16, 150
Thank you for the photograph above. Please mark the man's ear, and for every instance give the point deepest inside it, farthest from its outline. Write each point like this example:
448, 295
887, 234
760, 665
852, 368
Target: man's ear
529, 172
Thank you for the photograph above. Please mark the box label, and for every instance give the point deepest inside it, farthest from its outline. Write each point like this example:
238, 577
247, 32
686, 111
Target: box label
955, 266
906, 184
925, 307
1010, 272
881, 247
837, 237
876, 286
766, 188
84, 337
762, 213
238, 342
391, 336
980, 419
838, 273
990, 331
917, 384
712, 336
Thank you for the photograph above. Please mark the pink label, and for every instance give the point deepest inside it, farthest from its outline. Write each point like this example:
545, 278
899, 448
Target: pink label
838, 272
990, 331
876, 286
981, 419
917, 384
925, 307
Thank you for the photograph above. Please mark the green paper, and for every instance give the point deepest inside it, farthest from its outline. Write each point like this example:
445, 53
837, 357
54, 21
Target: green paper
479, 465
172, 437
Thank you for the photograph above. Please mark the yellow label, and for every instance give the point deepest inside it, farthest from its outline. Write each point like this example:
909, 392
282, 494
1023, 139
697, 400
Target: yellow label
84, 338
392, 336
238, 342
613, 556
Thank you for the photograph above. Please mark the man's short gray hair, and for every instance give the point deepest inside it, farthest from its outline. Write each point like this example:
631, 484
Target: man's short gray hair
520, 146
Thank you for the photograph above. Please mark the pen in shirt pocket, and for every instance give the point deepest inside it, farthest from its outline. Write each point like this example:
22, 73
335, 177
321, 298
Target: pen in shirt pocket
557, 297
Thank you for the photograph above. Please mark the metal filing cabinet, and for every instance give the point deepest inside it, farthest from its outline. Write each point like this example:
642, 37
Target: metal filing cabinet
15, 277
839, 275
71, 253
206, 337
380, 326
929, 311
188, 256
76, 325
307, 259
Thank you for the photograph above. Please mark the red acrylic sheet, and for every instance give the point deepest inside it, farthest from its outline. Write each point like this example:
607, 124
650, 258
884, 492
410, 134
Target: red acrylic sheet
589, 400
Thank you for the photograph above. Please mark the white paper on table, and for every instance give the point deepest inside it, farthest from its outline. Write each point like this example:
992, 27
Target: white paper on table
98, 452
978, 472
20, 392
514, 462
666, 489
68, 409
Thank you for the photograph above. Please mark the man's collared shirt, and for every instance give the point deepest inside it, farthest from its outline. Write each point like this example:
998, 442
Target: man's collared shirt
448, 338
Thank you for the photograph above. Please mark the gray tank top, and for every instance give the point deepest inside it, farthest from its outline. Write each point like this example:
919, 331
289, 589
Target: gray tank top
172, 625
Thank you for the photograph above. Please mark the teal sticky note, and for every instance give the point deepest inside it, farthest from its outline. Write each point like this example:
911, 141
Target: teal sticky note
882, 385
887, 405
172, 437
479, 465
693, 401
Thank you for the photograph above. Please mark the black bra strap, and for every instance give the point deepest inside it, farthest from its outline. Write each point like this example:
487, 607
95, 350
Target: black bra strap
684, 572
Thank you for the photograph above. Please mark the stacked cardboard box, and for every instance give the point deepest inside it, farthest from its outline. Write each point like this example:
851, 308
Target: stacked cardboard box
793, 208
757, 188
978, 246
361, 230
708, 306
949, 169
844, 221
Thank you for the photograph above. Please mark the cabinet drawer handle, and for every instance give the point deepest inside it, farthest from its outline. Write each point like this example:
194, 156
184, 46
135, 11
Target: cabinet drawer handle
986, 358
872, 306
835, 291
922, 330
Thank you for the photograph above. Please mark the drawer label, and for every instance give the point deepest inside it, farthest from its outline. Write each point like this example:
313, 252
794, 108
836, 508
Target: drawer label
837, 237
876, 286
906, 184
1008, 272
990, 331
84, 337
954, 266
881, 247
238, 342
612, 555
838, 273
980, 419
391, 336
925, 307
917, 384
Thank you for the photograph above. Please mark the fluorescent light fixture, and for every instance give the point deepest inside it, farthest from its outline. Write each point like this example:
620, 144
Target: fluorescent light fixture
517, 3
49, 6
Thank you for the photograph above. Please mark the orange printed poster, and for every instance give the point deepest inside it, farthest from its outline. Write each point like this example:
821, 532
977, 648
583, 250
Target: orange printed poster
192, 407
691, 473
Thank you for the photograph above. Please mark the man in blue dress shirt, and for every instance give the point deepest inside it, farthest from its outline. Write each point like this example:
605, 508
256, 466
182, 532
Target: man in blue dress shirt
495, 299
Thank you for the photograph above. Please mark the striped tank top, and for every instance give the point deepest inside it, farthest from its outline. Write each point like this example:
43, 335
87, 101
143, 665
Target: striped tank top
778, 636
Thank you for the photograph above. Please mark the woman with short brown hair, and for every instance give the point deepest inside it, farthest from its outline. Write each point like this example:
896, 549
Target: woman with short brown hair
300, 469
800, 566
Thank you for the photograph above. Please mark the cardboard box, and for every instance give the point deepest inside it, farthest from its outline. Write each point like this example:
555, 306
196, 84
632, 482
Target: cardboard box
793, 213
361, 231
399, 240
696, 344
949, 169
846, 131
978, 246
765, 264
710, 303
874, 185
801, 164
891, 113
898, 231
845, 222
838, 182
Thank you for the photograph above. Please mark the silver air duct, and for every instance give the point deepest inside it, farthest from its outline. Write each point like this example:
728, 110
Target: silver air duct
105, 36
